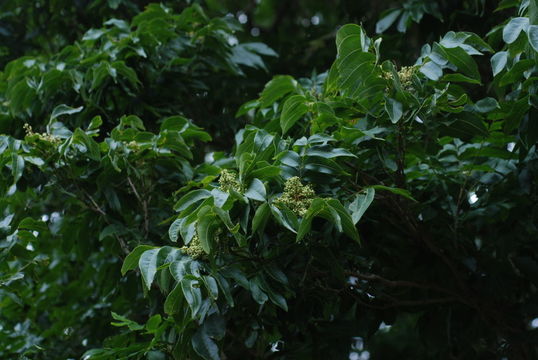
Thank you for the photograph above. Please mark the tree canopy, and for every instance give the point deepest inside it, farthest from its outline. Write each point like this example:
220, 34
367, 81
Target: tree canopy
268, 180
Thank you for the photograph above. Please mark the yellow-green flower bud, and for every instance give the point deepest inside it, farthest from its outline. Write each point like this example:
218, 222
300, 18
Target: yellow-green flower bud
52, 139
297, 197
228, 181
406, 75
194, 249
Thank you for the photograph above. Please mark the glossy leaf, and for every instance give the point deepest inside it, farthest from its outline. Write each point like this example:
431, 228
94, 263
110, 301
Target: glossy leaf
361, 203
131, 261
294, 108
256, 190
394, 110
205, 346
191, 198
498, 62
514, 27
275, 89
533, 36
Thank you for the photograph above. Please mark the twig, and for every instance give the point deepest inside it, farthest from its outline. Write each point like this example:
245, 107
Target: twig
402, 303
405, 283
400, 157
98, 209
144, 204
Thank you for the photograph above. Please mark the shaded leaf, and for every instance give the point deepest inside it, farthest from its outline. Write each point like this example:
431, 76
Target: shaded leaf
294, 107
361, 203
514, 27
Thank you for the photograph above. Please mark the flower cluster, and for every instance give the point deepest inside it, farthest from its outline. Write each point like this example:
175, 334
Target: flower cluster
133, 145
297, 197
53, 139
228, 181
406, 75
194, 249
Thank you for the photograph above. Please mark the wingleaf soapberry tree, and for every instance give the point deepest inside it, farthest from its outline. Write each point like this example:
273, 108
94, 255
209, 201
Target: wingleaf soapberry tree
373, 209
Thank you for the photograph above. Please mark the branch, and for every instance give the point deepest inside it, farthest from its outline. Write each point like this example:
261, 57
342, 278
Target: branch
144, 206
408, 284
400, 157
98, 209
402, 303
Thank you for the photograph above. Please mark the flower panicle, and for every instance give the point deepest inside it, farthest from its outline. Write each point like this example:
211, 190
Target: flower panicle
296, 196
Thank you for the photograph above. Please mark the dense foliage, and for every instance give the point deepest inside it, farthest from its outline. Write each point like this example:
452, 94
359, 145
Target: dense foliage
165, 196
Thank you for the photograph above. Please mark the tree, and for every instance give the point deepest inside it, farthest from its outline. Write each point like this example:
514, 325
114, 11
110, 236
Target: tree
159, 201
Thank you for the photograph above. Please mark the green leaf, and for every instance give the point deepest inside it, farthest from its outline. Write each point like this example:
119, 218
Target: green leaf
486, 105
100, 73
256, 190
393, 109
512, 30
127, 73
248, 54
132, 121
180, 268
317, 207
191, 198
173, 300
219, 197
431, 70
173, 230
187, 227
345, 218
112, 229
275, 89
356, 71
257, 293
6, 221
459, 78
463, 61
331, 210
361, 203
285, 217
278, 300
148, 265
192, 293
515, 73
153, 323
215, 326
225, 287
294, 107
385, 22
211, 286
131, 260
30, 224
351, 37
498, 62
260, 218
206, 228
277, 274
91, 147
466, 125
151, 260
328, 152
123, 321
507, 4
93, 34
266, 172
397, 191
532, 33
17, 166
96, 122
64, 110
204, 345
246, 107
